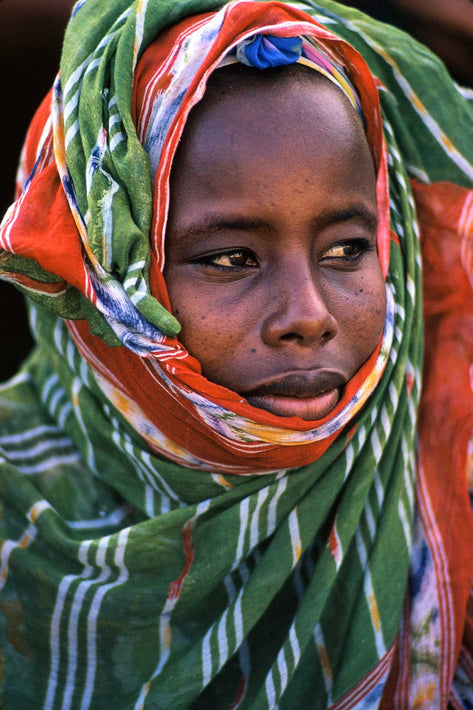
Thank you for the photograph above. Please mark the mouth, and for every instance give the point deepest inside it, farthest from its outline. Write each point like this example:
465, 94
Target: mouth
307, 395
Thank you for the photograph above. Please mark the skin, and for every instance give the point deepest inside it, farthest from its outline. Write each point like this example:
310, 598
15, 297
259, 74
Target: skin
271, 261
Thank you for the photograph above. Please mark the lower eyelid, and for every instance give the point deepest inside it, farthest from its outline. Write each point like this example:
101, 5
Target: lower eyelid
207, 264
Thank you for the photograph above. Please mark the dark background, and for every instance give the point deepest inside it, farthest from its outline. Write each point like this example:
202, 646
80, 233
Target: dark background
30, 43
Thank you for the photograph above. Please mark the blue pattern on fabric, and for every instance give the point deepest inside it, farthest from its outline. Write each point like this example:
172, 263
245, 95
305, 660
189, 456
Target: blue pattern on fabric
264, 51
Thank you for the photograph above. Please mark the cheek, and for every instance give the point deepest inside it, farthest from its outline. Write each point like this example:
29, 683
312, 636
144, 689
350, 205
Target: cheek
367, 314
358, 303
210, 333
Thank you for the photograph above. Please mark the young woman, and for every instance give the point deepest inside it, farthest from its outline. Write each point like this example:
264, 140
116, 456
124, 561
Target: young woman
221, 487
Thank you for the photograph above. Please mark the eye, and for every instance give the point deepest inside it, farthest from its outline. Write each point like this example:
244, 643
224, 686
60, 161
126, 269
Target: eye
231, 259
348, 251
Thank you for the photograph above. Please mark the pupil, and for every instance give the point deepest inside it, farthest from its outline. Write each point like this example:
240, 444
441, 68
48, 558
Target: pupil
238, 258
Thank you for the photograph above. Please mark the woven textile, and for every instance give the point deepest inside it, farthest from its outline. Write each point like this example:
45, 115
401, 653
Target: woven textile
193, 553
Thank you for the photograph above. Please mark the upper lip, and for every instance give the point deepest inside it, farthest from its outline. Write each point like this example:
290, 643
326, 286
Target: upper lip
302, 383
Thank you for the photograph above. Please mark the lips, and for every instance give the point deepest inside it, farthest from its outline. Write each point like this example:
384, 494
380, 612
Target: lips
309, 395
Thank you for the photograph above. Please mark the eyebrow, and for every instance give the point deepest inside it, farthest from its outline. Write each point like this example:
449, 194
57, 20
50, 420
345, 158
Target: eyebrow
357, 211
215, 223
212, 224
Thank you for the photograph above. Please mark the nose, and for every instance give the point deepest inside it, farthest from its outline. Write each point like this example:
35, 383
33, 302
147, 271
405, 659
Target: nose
298, 313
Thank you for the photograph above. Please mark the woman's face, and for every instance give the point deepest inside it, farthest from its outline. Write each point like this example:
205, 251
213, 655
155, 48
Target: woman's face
271, 260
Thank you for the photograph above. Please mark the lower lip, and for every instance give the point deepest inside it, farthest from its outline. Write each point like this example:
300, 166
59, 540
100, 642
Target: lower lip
307, 408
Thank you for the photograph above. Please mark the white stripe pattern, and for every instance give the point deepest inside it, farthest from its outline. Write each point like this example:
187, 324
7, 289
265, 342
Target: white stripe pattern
119, 562
55, 635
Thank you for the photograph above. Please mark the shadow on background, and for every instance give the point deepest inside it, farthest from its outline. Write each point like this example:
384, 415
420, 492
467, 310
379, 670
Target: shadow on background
444, 26
30, 37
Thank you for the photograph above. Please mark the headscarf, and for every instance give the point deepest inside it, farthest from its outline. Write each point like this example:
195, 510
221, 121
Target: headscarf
221, 431
137, 559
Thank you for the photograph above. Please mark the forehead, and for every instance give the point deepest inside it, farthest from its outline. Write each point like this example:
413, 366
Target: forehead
246, 116
237, 84
290, 159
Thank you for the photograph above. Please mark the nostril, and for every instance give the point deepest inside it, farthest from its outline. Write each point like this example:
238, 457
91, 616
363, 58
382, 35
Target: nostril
299, 317
290, 336
325, 337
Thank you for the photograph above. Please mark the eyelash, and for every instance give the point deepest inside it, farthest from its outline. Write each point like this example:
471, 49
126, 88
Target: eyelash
210, 259
362, 246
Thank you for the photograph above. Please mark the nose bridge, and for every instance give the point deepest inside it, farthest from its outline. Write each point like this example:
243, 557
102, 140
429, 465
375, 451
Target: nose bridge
298, 309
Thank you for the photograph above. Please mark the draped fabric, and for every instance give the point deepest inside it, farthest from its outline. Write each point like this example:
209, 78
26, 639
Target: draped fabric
94, 207
184, 549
